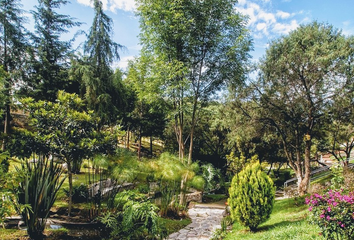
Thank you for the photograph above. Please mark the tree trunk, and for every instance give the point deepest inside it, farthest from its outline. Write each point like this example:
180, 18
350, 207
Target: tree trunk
151, 146
6, 125
127, 140
305, 183
70, 176
139, 145
182, 196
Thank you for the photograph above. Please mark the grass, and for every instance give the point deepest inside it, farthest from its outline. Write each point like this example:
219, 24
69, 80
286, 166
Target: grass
11, 234
210, 198
173, 225
287, 222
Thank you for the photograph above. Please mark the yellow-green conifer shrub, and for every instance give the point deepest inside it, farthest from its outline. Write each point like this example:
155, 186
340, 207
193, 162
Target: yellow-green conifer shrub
252, 196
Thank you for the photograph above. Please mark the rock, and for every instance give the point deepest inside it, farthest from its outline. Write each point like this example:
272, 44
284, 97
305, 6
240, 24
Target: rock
194, 197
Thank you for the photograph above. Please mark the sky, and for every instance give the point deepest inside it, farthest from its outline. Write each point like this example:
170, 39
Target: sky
267, 20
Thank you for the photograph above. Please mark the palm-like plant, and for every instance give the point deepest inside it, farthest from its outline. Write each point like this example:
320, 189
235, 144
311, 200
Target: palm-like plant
38, 189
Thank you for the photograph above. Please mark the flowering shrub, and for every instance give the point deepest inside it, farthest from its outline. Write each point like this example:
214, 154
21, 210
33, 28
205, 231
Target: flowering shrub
333, 212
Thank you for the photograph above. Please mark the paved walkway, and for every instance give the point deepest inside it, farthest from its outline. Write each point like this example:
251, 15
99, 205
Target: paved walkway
206, 218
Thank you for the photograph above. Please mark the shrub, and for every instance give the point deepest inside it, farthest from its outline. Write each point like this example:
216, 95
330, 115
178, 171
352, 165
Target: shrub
348, 179
212, 178
135, 217
36, 192
252, 196
338, 178
333, 212
80, 193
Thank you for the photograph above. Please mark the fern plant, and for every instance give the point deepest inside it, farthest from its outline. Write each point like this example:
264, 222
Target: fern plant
135, 217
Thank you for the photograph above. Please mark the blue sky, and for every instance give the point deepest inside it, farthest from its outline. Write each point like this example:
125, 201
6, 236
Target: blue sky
268, 19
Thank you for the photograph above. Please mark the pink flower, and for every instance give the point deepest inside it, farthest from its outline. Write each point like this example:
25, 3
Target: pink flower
328, 218
329, 209
322, 216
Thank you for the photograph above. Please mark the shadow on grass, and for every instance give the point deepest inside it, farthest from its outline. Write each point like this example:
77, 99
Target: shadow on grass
282, 224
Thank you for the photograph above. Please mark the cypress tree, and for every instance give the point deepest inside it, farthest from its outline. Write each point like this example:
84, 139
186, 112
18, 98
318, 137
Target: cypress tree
252, 196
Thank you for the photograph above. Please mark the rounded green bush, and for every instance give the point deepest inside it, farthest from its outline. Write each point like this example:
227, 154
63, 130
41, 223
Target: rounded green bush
252, 196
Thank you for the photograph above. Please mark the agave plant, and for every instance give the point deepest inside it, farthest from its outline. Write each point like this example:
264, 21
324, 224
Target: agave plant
38, 189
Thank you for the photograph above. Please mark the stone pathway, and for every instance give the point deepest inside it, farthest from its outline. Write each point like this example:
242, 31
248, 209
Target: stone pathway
206, 218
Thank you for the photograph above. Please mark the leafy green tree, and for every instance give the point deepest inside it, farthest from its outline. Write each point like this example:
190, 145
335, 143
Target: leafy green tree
338, 126
252, 196
149, 114
50, 55
195, 48
13, 44
292, 96
211, 136
247, 136
66, 131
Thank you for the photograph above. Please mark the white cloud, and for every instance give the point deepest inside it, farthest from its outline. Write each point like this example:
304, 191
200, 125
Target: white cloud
348, 28
266, 22
242, 2
267, 17
126, 5
86, 2
283, 15
262, 27
113, 5
285, 28
123, 63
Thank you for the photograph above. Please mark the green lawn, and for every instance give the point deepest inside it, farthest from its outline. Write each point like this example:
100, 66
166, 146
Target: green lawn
288, 221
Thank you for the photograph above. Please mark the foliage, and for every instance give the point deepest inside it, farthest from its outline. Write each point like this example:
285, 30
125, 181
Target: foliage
291, 96
80, 193
251, 196
288, 221
338, 179
6, 196
40, 181
348, 179
198, 48
333, 212
65, 130
212, 176
135, 218
101, 88
211, 144
49, 55
237, 164
214, 197
169, 226
12, 55
168, 171
221, 233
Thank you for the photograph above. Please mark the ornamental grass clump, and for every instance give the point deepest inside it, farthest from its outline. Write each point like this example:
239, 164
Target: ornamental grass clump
333, 212
252, 196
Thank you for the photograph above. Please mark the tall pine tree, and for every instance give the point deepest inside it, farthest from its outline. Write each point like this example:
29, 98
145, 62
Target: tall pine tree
50, 55
12, 47
100, 86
